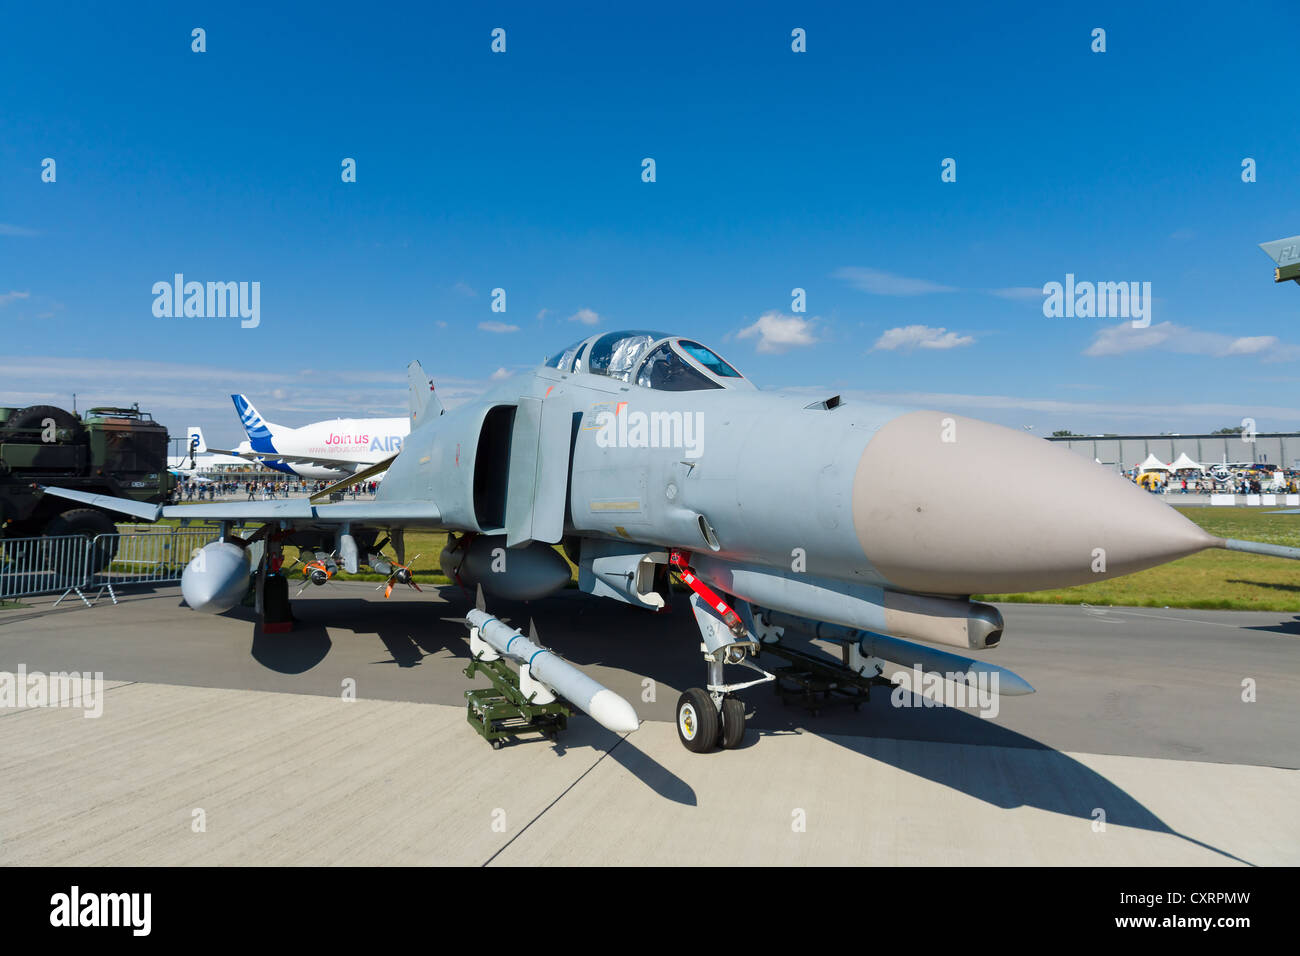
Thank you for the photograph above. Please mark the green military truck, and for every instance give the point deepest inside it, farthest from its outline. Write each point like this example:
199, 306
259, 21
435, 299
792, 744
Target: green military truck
112, 451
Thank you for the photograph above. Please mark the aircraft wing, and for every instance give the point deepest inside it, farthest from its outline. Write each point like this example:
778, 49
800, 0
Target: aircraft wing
260, 456
298, 510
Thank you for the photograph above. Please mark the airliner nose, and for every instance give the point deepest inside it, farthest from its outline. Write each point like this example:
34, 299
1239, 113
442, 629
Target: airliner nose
952, 505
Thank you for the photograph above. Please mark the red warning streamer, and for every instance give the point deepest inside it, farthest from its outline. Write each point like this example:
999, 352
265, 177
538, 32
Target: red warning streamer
679, 559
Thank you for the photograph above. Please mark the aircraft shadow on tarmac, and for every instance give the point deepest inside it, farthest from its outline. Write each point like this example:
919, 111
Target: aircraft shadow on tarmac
664, 648
1048, 780
409, 636
302, 648
1285, 627
294, 652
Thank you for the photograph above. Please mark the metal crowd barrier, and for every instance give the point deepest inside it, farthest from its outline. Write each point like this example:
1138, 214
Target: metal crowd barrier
152, 557
76, 564
30, 566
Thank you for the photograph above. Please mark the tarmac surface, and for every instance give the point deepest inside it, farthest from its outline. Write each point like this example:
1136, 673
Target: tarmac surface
220, 744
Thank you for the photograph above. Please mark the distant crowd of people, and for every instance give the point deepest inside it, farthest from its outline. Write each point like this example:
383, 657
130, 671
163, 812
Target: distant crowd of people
1198, 484
265, 489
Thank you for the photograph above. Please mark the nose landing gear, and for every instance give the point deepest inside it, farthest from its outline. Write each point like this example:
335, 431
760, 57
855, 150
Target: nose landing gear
714, 715
701, 723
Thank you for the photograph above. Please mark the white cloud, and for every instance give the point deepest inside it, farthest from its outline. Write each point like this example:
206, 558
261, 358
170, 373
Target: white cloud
7, 297
465, 289
497, 327
500, 373
908, 337
886, 283
1168, 337
8, 229
1018, 292
585, 316
779, 333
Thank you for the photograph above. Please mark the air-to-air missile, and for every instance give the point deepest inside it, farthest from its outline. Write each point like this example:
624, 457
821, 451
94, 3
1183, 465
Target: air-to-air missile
646, 454
539, 666
863, 646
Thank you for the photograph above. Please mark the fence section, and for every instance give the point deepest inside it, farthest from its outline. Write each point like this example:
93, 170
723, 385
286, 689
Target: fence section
151, 557
104, 564
30, 566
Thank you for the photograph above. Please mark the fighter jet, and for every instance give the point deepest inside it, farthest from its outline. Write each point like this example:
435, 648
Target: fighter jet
648, 456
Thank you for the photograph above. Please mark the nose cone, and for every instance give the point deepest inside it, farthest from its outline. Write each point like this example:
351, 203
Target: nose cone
612, 711
952, 505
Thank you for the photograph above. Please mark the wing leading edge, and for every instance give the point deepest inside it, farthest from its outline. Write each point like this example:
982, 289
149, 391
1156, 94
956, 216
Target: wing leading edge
388, 513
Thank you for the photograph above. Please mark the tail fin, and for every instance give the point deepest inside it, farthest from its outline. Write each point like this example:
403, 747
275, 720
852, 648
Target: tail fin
1284, 252
424, 401
258, 431
197, 446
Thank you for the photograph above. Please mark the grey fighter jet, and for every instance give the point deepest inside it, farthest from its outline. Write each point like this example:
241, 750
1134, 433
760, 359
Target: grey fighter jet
647, 455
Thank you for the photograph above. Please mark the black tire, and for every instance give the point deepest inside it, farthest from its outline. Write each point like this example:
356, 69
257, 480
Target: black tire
697, 721
733, 723
87, 522
33, 415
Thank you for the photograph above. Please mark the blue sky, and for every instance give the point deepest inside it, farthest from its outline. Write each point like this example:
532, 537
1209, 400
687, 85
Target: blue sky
775, 170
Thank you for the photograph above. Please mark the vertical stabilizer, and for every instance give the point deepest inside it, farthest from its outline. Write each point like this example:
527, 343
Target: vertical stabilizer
424, 400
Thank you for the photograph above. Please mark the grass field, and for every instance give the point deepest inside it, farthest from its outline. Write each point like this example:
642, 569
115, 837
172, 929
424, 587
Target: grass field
1212, 579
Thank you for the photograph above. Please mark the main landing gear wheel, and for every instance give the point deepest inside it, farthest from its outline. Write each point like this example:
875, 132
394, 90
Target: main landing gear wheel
697, 721
733, 722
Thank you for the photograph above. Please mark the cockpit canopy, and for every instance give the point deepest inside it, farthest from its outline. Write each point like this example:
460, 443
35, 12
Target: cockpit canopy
669, 363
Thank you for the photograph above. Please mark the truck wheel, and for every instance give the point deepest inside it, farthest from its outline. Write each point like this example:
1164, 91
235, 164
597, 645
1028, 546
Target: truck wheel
87, 522
34, 415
